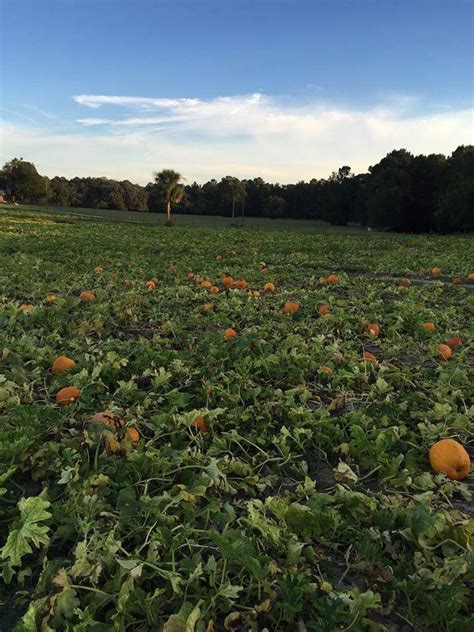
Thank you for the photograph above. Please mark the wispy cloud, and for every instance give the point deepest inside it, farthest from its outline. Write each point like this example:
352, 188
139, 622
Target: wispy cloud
245, 135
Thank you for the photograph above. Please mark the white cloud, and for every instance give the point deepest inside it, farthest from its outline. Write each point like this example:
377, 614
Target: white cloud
244, 135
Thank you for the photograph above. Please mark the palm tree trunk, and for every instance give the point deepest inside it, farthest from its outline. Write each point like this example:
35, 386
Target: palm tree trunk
168, 211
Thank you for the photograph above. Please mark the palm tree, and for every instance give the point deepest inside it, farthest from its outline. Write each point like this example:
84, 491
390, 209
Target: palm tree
169, 188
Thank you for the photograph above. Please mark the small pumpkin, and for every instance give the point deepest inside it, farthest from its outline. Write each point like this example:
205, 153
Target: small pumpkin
207, 307
435, 271
219, 258
470, 276
50, 299
429, 326
405, 282
325, 369
291, 307
151, 285
373, 329
230, 333
200, 424
454, 342
444, 352
228, 281
214, 289
457, 281
449, 457
206, 285
67, 395
332, 278
88, 297
241, 284
26, 308
62, 364
269, 287
366, 355
324, 309
98, 269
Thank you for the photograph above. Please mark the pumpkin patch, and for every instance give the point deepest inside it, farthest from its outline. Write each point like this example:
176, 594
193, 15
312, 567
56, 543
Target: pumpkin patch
229, 448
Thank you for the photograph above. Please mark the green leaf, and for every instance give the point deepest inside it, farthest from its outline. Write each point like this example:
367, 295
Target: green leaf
32, 512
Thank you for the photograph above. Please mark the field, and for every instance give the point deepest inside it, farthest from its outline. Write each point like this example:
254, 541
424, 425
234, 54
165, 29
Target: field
275, 480
202, 221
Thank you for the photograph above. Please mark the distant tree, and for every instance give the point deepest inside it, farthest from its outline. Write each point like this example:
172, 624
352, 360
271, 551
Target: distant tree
169, 189
21, 181
456, 203
274, 207
58, 192
389, 191
232, 191
427, 175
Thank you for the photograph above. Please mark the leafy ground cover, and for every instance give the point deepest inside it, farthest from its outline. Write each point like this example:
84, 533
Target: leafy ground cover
279, 480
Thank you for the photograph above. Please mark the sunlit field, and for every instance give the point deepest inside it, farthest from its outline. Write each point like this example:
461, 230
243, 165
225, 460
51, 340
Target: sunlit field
243, 442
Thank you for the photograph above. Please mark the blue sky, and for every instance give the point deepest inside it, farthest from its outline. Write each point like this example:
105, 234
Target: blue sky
285, 89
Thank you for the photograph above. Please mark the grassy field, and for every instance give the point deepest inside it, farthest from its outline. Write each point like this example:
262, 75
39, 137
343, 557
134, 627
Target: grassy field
273, 480
205, 221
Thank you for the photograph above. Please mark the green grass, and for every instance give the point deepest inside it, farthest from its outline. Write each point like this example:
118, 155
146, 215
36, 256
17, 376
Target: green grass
206, 221
309, 505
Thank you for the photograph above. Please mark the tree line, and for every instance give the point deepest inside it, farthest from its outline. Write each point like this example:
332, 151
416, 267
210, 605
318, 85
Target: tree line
402, 192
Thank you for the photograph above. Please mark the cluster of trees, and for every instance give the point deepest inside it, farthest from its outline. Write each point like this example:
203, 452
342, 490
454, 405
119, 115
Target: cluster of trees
402, 192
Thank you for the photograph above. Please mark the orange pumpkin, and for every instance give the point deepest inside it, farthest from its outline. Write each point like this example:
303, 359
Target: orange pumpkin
228, 281
214, 289
50, 299
470, 276
332, 278
62, 364
454, 342
206, 285
373, 329
207, 307
67, 395
269, 287
291, 307
241, 284
89, 297
200, 424
219, 258
429, 326
98, 269
457, 281
324, 309
449, 457
369, 357
151, 285
435, 271
325, 369
26, 308
230, 333
132, 435
444, 352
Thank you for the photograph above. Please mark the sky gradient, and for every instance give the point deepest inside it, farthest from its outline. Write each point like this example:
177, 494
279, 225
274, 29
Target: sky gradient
282, 89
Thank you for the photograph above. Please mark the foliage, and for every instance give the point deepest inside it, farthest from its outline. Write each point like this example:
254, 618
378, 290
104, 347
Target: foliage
415, 194
310, 502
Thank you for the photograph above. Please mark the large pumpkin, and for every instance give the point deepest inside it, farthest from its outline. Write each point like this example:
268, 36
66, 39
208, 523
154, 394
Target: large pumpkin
449, 456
